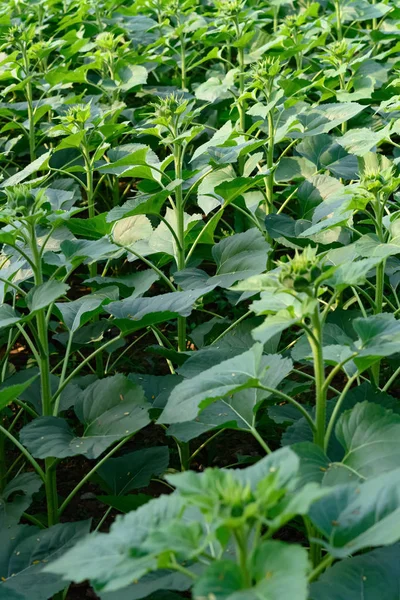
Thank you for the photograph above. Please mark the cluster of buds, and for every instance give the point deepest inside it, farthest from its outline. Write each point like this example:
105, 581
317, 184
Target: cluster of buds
264, 72
377, 175
172, 112
229, 9
302, 272
341, 53
22, 201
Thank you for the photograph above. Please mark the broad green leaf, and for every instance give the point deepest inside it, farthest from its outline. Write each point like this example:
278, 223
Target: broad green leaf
135, 313
219, 137
10, 393
16, 497
361, 141
325, 117
216, 88
134, 470
370, 436
43, 295
26, 551
221, 580
357, 516
130, 76
149, 204
109, 410
218, 415
240, 256
112, 561
125, 504
133, 160
315, 190
361, 10
369, 246
129, 230
152, 586
368, 576
33, 167
78, 312
88, 251
379, 335
294, 167
207, 197
141, 281
353, 273
325, 153
246, 370
8, 316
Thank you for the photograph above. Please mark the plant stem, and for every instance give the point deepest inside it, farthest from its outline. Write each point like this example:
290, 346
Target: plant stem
183, 62
326, 562
29, 101
338, 20
270, 163
260, 440
337, 408
242, 553
180, 226
315, 342
391, 380
92, 472
380, 277
44, 368
241, 103
92, 213
24, 451
84, 362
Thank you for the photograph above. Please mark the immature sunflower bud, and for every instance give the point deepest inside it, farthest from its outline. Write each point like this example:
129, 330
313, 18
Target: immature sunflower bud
302, 271
20, 199
24, 201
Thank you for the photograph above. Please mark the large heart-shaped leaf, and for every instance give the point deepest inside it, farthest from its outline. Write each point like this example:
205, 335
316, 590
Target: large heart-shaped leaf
240, 256
26, 551
246, 370
133, 470
109, 410
134, 313
78, 312
43, 295
112, 561
16, 497
370, 436
356, 516
368, 576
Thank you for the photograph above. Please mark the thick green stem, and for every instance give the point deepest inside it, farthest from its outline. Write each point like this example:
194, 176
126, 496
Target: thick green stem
31, 114
92, 213
183, 62
242, 555
319, 372
315, 341
183, 447
44, 368
3, 465
338, 20
180, 233
379, 288
337, 409
92, 472
270, 163
380, 275
241, 102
